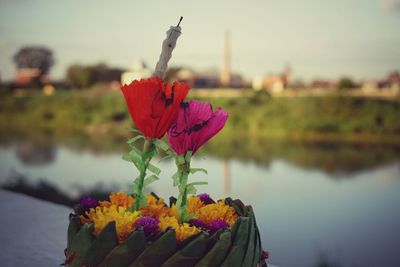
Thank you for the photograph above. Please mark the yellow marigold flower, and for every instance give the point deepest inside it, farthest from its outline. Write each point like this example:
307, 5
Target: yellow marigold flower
185, 231
168, 221
101, 216
119, 199
182, 231
172, 211
217, 211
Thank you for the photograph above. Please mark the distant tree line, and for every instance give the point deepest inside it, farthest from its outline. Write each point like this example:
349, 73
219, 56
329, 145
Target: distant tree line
346, 83
35, 62
34, 57
84, 76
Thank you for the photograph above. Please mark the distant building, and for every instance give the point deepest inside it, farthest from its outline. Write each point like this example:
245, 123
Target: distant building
390, 82
393, 80
29, 76
274, 83
225, 76
322, 84
370, 85
138, 71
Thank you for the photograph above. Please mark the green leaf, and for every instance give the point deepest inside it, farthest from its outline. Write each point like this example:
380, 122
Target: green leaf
170, 155
153, 169
217, 254
198, 183
158, 252
194, 170
251, 243
239, 245
150, 154
142, 200
161, 144
102, 245
136, 189
150, 179
80, 244
190, 253
237, 204
134, 139
190, 189
123, 254
188, 156
176, 178
258, 249
73, 228
134, 157
180, 160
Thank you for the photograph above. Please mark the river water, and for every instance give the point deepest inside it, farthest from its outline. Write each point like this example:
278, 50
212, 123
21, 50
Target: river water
308, 214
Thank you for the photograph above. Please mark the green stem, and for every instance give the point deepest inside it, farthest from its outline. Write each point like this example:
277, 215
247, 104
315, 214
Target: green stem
147, 146
182, 198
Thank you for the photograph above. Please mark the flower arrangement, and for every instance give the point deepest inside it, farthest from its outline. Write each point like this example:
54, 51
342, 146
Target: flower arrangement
139, 229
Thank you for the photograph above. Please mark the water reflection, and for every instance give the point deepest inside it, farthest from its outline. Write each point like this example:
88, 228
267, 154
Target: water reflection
336, 198
335, 158
35, 153
45, 190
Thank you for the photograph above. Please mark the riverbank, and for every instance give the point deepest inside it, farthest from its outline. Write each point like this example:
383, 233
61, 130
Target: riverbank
97, 112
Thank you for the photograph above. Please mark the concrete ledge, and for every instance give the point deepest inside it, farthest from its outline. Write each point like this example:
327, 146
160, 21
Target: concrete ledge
32, 232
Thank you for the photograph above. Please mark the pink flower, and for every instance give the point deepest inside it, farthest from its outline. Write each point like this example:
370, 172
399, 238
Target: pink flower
195, 125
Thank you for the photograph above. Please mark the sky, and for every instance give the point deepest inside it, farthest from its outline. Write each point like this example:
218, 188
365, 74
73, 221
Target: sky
319, 39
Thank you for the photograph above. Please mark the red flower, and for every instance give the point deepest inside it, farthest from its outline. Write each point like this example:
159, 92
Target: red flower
153, 104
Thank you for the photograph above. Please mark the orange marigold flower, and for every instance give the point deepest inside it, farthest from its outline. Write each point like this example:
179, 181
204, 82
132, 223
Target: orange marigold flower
119, 199
101, 216
154, 208
217, 211
194, 204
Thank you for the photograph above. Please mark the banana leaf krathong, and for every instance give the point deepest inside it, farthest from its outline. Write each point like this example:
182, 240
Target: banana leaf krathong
238, 246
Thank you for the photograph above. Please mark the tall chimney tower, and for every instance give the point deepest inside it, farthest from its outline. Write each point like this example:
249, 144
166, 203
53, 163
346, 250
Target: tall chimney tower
226, 67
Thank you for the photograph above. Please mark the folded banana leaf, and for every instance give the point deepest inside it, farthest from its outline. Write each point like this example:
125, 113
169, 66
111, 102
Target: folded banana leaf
80, 244
158, 251
218, 252
102, 245
191, 253
239, 246
126, 252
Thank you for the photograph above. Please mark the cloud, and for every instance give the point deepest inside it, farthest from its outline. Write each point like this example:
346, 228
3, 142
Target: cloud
391, 4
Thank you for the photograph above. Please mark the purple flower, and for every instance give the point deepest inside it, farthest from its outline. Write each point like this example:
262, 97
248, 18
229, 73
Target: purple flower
265, 254
198, 223
88, 202
195, 125
206, 199
216, 225
149, 225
